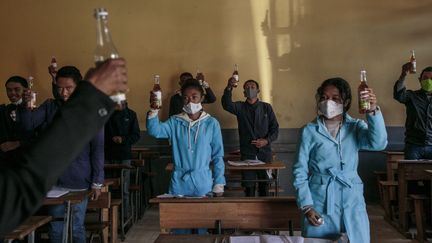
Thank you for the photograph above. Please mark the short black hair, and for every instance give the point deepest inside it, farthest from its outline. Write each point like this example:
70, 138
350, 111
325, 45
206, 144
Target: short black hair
69, 72
253, 81
185, 76
192, 83
427, 69
344, 89
18, 79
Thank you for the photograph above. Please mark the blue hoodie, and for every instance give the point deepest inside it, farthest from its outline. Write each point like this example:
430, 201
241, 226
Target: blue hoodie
195, 144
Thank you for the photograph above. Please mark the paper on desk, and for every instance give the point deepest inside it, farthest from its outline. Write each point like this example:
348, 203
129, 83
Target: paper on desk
167, 195
266, 239
275, 239
56, 193
245, 162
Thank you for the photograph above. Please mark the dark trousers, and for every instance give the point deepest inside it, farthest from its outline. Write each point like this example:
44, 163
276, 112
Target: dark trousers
263, 187
418, 152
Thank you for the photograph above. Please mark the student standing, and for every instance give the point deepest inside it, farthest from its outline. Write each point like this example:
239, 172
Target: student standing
325, 169
86, 171
258, 128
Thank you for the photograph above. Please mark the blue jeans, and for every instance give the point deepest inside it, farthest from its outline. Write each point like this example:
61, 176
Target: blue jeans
78, 216
418, 152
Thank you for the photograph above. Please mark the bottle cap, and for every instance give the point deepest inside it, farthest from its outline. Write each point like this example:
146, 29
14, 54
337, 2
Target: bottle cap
100, 12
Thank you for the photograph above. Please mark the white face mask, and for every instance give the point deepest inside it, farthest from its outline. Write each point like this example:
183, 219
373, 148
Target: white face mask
330, 109
192, 108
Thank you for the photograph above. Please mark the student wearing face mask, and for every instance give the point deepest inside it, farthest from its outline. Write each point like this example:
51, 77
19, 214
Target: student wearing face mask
258, 128
176, 101
418, 125
11, 135
329, 190
196, 141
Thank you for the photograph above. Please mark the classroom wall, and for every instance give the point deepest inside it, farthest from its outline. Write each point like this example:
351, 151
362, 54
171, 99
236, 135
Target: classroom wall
289, 46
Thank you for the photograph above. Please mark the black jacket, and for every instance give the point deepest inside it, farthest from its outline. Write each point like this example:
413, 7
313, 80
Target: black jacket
122, 123
11, 130
418, 124
254, 121
176, 102
24, 184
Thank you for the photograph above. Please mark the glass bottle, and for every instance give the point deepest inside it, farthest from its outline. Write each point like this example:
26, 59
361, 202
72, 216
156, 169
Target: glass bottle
235, 75
199, 77
413, 62
364, 104
157, 92
31, 104
105, 48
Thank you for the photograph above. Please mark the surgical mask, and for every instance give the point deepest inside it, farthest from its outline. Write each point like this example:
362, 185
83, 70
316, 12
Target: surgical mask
250, 93
330, 109
192, 108
426, 85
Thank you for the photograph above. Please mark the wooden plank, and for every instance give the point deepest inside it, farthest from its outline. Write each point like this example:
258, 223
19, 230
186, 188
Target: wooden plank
30, 225
409, 170
277, 165
236, 213
73, 197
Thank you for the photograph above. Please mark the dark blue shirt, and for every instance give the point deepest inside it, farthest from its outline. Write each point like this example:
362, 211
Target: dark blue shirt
88, 167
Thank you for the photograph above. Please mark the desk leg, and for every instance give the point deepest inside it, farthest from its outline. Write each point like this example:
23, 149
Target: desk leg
67, 224
31, 237
277, 183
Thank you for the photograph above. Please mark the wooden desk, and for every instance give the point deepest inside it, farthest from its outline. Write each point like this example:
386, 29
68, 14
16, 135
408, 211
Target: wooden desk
164, 238
244, 213
391, 165
409, 170
429, 172
122, 168
219, 239
69, 199
28, 228
144, 152
230, 170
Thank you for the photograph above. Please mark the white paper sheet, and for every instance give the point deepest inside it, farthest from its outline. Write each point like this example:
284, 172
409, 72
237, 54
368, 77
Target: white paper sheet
56, 193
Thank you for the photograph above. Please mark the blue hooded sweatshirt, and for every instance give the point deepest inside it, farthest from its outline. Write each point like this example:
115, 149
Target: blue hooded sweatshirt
195, 144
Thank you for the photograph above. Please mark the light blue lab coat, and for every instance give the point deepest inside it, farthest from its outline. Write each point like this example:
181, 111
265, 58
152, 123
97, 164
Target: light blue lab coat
335, 192
194, 145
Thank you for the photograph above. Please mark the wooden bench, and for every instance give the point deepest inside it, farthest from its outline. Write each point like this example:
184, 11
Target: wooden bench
100, 227
388, 203
28, 228
264, 213
409, 170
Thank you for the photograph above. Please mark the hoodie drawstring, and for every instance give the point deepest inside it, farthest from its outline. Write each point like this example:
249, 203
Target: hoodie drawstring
189, 142
196, 134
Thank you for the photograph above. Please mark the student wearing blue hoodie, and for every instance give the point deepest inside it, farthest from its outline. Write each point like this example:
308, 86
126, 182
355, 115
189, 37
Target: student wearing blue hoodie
86, 172
325, 169
196, 141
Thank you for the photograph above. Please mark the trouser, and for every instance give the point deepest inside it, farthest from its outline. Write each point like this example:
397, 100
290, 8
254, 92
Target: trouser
78, 216
418, 152
263, 187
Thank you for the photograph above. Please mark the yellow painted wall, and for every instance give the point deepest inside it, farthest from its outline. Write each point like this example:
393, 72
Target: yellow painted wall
290, 46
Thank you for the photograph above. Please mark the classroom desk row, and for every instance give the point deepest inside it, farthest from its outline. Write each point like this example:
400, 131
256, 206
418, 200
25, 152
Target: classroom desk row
231, 172
400, 188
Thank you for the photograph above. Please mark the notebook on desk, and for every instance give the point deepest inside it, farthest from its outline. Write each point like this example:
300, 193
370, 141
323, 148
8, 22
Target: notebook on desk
56, 193
248, 162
